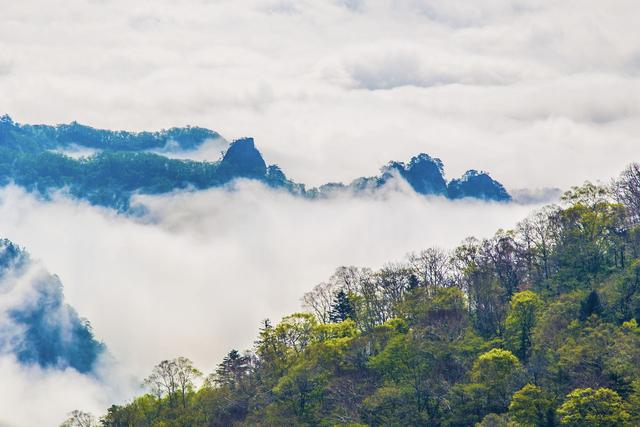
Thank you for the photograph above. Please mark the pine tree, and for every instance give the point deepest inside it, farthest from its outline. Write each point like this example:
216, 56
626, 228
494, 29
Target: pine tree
342, 308
590, 306
233, 369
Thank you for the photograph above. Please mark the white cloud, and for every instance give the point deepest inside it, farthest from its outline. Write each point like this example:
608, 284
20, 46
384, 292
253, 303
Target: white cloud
388, 67
197, 274
35, 397
210, 150
492, 77
76, 151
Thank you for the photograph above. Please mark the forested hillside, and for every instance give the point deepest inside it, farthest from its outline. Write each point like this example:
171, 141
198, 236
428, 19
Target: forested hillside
124, 164
38, 327
536, 326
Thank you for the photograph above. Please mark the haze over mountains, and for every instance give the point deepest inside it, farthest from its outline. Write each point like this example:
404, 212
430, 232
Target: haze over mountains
372, 121
38, 327
107, 168
119, 164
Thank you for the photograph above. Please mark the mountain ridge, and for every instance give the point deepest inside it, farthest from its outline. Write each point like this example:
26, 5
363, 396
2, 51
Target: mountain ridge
39, 327
125, 164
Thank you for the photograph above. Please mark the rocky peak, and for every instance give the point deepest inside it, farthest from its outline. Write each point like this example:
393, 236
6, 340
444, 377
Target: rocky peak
426, 175
423, 172
479, 185
242, 159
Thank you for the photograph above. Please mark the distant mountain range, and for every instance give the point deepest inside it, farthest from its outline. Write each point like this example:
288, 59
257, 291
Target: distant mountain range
37, 326
122, 163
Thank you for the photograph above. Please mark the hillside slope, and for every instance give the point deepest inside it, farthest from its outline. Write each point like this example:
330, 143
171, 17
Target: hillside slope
536, 326
38, 327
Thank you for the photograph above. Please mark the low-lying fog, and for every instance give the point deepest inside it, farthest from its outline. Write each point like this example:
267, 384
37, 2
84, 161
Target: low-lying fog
197, 273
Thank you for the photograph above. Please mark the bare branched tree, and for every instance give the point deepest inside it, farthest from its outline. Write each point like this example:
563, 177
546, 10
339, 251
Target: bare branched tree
79, 419
320, 300
349, 278
172, 376
626, 190
186, 373
393, 280
163, 380
432, 267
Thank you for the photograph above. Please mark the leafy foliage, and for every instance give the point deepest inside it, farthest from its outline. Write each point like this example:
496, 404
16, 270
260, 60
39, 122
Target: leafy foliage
586, 407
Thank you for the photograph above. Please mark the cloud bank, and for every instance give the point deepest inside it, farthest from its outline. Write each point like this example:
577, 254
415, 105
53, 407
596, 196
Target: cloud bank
543, 93
50, 394
197, 273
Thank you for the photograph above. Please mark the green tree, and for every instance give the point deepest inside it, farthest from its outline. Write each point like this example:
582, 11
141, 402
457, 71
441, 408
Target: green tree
586, 407
590, 306
497, 420
520, 322
163, 380
596, 354
500, 372
634, 402
531, 406
413, 369
186, 374
232, 370
342, 308
590, 236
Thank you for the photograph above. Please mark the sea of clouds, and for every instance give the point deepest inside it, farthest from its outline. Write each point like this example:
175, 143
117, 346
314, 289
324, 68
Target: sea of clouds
197, 273
535, 91
541, 93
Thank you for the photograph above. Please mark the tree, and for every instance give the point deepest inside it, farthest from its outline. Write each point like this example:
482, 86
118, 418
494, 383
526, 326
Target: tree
591, 305
497, 420
233, 369
186, 373
520, 322
162, 380
349, 278
342, 309
626, 190
634, 401
625, 298
591, 233
295, 332
476, 279
415, 376
320, 300
393, 405
532, 406
443, 315
597, 354
505, 259
392, 282
418, 343
79, 419
172, 376
500, 372
432, 267
586, 407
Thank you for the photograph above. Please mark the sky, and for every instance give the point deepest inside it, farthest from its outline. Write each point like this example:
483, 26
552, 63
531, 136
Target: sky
539, 93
